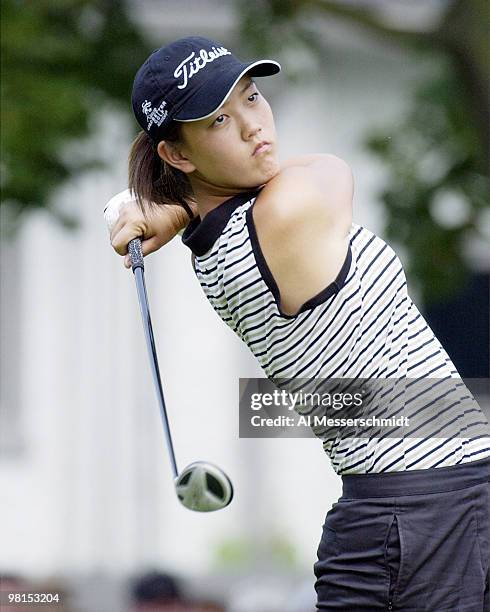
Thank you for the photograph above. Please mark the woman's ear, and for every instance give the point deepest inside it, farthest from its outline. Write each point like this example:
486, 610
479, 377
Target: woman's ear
171, 154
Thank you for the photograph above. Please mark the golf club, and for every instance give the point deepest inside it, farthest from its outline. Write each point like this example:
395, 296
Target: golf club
201, 486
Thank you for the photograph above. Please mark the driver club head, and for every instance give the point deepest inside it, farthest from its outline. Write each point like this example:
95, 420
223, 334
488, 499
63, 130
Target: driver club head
203, 487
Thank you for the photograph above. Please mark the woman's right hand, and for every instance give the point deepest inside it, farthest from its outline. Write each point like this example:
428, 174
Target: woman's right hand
159, 226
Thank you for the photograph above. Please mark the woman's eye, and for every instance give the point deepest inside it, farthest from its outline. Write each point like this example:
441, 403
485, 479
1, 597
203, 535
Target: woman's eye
253, 97
219, 120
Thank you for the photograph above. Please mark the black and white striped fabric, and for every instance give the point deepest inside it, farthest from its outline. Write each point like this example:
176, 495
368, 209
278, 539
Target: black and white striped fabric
363, 325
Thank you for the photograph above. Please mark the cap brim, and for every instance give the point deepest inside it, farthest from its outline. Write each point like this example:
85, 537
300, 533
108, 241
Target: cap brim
203, 104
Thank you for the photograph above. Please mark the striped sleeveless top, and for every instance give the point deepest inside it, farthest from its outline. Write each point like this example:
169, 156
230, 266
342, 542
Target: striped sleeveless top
362, 325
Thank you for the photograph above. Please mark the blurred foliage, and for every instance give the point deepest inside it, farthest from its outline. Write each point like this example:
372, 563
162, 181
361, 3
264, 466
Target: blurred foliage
238, 554
60, 61
437, 192
439, 151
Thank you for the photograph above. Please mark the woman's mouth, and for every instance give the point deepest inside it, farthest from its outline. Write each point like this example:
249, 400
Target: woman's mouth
261, 148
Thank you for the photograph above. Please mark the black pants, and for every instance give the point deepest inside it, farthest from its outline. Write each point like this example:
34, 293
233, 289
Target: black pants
415, 540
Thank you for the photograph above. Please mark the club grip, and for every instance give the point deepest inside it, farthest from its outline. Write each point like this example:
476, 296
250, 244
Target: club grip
136, 254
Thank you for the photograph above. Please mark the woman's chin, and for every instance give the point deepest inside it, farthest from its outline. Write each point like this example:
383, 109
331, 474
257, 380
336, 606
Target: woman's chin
269, 172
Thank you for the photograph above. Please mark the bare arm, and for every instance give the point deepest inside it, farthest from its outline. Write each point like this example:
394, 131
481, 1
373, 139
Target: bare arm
302, 217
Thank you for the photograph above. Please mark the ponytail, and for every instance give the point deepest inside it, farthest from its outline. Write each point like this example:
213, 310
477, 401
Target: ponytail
152, 180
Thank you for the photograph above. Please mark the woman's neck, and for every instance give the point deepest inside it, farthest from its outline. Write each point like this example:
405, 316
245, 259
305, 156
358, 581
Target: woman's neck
208, 197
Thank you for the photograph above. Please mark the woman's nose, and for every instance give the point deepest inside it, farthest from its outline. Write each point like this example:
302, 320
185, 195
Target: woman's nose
250, 128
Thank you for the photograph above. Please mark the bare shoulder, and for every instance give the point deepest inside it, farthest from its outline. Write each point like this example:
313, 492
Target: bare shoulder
302, 218
316, 187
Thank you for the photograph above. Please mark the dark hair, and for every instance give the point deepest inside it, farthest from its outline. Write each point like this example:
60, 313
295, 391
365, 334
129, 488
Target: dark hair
152, 180
155, 586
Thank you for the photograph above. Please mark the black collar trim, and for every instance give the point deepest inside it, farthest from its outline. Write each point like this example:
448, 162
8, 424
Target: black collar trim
200, 236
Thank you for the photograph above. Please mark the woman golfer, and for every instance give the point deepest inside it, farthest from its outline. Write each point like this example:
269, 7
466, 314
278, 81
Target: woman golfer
315, 297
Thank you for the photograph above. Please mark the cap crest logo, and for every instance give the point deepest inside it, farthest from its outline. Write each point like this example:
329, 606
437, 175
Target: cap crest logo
189, 67
156, 115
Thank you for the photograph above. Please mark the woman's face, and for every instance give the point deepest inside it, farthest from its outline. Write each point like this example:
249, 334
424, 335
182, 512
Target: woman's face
222, 148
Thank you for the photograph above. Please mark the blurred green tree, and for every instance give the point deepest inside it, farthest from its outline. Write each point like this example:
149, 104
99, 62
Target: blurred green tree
439, 153
60, 60
238, 553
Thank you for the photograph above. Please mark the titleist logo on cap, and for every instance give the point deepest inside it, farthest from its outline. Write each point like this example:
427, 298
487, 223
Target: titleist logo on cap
189, 67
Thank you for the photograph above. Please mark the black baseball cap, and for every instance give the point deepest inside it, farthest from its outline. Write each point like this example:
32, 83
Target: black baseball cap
188, 80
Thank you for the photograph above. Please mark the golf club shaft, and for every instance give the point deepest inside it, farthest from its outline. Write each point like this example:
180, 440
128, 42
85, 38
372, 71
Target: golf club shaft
134, 249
